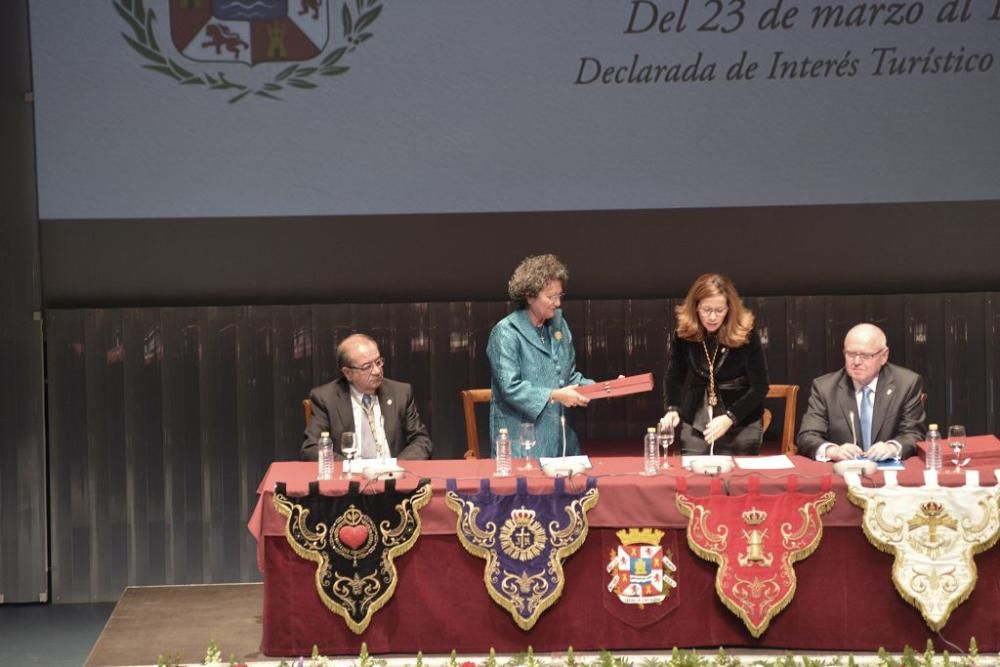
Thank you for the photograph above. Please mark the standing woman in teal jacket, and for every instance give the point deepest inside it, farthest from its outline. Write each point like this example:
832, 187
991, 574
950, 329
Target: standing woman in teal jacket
533, 361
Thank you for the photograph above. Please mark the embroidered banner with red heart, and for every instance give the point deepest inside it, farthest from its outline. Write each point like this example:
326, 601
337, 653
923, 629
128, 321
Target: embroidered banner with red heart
353, 539
755, 539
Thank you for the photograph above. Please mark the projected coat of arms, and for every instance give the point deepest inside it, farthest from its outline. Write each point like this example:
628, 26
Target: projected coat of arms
249, 31
755, 539
933, 532
298, 34
524, 539
353, 540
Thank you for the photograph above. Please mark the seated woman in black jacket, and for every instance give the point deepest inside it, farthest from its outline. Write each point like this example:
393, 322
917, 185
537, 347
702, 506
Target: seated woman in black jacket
717, 375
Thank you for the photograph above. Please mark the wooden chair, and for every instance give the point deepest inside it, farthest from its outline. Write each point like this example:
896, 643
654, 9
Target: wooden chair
307, 410
469, 399
790, 392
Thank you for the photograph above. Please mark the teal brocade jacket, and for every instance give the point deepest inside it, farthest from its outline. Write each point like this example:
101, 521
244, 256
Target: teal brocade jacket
525, 371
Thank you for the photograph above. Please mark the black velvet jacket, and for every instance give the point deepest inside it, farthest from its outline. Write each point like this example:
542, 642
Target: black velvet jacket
740, 378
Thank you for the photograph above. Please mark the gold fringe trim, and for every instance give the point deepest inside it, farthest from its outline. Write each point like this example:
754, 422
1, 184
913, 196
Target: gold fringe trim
861, 501
688, 507
416, 502
587, 501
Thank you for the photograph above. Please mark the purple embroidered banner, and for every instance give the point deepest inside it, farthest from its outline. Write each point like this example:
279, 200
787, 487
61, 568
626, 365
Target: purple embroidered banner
523, 538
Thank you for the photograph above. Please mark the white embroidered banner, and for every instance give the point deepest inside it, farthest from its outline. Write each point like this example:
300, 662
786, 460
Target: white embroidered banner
933, 532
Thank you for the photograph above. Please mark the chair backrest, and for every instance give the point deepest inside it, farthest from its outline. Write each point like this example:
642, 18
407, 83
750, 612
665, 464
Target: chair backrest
790, 392
469, 399
307, 410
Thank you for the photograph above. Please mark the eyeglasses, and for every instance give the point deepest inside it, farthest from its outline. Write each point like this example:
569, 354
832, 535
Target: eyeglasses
370, 366
705, 312
862, 356
552, 298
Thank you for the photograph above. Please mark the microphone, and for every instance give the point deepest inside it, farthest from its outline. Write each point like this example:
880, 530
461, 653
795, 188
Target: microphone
854, 433
383, 453
562, 422
711, 445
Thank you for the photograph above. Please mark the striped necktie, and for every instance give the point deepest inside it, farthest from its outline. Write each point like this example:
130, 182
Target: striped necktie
366, 403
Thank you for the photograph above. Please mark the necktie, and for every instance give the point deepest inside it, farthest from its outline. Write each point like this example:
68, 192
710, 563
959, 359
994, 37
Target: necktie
866, 417
366, 404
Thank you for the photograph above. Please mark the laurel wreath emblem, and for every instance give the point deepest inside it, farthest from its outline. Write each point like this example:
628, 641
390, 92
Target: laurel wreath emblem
356, 24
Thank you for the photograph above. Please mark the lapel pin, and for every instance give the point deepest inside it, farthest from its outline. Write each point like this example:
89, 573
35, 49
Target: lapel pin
888, 392
389, 402
558, 335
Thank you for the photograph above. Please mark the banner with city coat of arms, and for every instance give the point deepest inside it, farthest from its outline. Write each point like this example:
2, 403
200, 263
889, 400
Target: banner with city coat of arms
641, 576
933, 532
755, 539
524, 539
353, 540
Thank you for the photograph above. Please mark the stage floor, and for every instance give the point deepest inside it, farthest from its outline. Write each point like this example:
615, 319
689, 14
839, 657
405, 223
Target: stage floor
181, 621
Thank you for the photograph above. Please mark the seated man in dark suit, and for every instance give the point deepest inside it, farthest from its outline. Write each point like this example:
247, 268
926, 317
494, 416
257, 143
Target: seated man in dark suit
869, 408
380, 412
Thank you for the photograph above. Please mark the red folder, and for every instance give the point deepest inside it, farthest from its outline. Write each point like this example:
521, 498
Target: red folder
633, 384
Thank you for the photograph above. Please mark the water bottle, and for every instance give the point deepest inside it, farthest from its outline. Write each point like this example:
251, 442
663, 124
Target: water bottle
933, 461
503, 454
325, 456
651, 452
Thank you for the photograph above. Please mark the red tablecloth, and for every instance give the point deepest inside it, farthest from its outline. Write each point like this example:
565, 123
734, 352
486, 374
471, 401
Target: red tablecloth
845, 598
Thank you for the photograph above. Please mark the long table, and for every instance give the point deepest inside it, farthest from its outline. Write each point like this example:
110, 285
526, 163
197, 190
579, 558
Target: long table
845, 598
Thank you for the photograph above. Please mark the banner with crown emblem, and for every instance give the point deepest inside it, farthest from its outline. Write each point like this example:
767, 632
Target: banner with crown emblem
755, 539
641, 576
933, 532
524, 539
353, 540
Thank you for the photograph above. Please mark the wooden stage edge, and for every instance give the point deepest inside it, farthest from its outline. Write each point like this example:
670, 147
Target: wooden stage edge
180, 621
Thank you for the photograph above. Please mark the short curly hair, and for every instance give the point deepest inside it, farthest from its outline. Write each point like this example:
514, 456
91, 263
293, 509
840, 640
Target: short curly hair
533, 274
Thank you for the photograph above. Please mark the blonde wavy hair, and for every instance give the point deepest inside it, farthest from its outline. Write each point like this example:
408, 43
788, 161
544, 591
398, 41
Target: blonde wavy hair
735, 329
533, 274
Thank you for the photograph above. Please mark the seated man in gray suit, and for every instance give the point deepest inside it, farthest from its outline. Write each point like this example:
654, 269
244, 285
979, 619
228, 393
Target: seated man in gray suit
869, 408
380, 412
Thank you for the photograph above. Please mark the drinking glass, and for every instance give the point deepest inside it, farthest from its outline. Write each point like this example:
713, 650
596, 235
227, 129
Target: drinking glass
665, 435
526, 436
956, 440
349, 446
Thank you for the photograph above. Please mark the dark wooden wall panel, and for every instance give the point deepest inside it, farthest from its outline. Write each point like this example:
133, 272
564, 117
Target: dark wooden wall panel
24, 557
647, 327
164, 420
217, 377
770, 318
255, 389
293, 352
806, 343
601, 355
143, 419
68, 479
182, 460
924, 350
965, 360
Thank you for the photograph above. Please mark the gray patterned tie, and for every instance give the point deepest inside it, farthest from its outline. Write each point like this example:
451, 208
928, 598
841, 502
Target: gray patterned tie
366, 404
